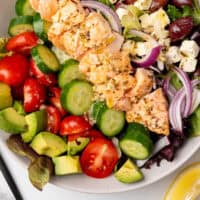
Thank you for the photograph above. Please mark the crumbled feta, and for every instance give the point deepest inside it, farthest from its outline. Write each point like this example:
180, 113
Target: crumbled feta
143, 4
188, 64
160, 18
145, 21
121, 12
143, 48
173, 55
189, 48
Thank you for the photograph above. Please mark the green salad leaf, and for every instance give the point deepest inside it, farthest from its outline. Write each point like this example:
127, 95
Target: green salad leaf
107, 2
194, 123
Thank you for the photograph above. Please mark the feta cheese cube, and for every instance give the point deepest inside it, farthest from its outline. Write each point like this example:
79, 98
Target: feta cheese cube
143, 4
188, 64
121, 12
142, 48
189, 48
173, 55
160, 18
145, 21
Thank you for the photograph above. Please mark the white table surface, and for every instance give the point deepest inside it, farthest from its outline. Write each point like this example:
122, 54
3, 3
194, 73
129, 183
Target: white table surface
51, 192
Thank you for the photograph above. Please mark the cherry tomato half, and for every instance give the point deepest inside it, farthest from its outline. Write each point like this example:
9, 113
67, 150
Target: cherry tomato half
14, 69
99, 158
92, 134
22, 43
54, 98
73, 125
34, 95
53, 119
45, 79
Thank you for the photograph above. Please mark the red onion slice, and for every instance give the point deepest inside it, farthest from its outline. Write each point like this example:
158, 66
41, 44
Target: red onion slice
175, 108
152, 56
149, 59
106, 11
188, 89
168, 89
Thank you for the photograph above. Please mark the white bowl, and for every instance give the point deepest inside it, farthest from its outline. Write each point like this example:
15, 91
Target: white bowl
84, 183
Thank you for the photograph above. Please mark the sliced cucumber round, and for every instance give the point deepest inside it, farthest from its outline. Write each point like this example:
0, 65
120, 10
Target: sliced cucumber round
20, 24
69, 72
76, 97
96, 109
45, 59
136, 142
111, 122
23, 7
41, 27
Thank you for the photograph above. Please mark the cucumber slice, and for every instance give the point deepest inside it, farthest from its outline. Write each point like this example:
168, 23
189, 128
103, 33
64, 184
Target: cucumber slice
136, 142
23, 7
5, 96
69, 72
128, 173
45, 59
76, 97
96, 109
111, 122
41, 27
20, 24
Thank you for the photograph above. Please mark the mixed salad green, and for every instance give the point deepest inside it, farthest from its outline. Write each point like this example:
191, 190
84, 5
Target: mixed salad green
47, 105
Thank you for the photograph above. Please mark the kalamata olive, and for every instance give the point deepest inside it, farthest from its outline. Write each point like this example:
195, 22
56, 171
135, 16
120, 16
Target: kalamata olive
180, 3
180, 28
156, 4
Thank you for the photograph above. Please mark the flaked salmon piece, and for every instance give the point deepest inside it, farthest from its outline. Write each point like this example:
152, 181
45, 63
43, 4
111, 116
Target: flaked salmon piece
143, 86
152, 112
46, 8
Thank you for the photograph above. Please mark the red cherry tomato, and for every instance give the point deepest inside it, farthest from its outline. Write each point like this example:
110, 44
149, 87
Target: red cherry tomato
99, 158
14, 69
22, 43
53, 119
34, 95
54, 98
45, 79
73, 125
92, 134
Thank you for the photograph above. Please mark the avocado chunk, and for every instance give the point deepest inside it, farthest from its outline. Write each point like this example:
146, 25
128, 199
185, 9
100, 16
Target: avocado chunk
49, 144
36, 122
5, 96
19, 107
128, 173
77, 145
67, 165
12, 122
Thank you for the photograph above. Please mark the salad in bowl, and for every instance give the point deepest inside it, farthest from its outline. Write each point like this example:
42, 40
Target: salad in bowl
100, 87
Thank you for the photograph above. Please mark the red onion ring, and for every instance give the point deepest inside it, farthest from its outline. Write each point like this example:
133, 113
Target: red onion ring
188, 89
152, 56
175, 108
107, 12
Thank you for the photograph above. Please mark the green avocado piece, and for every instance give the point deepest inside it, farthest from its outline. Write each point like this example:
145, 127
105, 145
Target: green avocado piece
6, 99
12, 122
36, 122
77, 145
19, 107
128, 173
66, 165
49, 144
